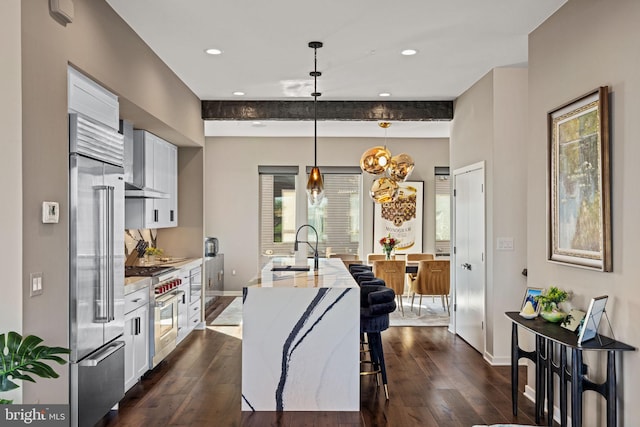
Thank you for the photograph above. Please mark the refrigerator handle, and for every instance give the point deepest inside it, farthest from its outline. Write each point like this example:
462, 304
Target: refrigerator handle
111, 253
104, 312
102, 355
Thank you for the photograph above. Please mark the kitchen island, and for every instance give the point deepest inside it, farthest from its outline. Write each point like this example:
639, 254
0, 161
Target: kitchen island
300, 339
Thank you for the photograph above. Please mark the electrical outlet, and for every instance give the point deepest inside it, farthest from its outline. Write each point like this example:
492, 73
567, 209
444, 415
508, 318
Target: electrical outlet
36, 284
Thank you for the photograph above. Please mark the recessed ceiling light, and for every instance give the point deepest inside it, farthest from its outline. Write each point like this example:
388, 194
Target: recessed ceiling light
213, 51
409, 52
383, 94
238, 93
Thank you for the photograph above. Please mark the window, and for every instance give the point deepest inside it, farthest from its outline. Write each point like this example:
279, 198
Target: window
337, 218
443, 211
277, 209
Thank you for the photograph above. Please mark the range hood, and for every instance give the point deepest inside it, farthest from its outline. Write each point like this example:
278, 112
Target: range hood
135, 169
133, 192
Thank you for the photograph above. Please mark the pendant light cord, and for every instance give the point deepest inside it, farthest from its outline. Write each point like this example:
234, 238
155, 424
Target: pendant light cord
315, 73
315, 107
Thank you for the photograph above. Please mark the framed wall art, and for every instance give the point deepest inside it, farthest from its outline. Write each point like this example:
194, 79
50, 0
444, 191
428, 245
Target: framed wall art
401, 218
579, 182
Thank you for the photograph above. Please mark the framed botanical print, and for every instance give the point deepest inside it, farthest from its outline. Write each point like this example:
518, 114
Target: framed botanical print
579, 182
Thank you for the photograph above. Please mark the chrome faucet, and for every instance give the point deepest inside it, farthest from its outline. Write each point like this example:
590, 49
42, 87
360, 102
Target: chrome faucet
315, 249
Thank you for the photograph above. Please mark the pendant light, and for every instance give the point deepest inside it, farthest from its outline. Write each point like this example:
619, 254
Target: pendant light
377, 160
315, 186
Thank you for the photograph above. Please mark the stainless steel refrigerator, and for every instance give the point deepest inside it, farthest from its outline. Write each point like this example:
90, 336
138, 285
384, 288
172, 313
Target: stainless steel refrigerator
96, 270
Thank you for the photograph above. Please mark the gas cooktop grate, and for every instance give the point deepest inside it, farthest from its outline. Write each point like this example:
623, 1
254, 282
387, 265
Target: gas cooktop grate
147, 271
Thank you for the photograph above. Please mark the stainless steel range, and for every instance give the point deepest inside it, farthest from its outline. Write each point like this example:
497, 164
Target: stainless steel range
163, 313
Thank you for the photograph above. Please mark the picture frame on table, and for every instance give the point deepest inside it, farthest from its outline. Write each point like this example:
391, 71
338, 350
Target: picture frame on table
589, 328
530, 298
580, 182
401, 218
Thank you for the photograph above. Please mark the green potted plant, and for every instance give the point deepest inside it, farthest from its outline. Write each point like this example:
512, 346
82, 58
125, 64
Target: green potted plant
152, 252
22, 357
548, 301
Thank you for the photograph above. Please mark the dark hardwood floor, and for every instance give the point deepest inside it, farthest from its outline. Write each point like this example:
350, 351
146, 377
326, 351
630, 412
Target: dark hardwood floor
435, 379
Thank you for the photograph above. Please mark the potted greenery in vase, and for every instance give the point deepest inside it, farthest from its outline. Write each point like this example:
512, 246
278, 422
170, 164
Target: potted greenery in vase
22, 357
548, 301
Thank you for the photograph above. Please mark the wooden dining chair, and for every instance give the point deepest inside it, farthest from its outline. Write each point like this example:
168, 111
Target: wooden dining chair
392, 272
413, 258
432, 279
419, 257
377, 257
346, 257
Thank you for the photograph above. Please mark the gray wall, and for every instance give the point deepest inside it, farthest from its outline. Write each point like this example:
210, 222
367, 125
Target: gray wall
100, 44
11, 175
490, 126
232, 191
587, 44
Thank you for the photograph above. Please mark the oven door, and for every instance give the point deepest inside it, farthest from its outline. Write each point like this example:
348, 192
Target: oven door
165, 326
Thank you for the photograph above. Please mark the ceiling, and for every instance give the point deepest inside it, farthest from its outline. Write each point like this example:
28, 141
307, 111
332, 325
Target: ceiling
265, 51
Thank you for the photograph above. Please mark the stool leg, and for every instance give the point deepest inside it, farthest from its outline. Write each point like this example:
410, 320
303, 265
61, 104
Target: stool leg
376, 342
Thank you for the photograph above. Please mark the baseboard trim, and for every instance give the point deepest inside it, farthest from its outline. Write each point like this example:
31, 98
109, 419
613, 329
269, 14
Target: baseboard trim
497, 361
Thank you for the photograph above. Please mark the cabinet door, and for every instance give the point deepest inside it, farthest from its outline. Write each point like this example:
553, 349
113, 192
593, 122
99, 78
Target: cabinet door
172, 182
183, 313
129, 365
141, 342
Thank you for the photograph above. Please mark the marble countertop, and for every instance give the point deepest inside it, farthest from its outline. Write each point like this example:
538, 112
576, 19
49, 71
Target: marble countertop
132, 284
332, 273
172, 262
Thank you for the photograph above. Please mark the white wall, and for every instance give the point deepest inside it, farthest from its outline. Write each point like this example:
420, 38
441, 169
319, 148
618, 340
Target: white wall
587, 44
11, 175
490, 125
232, 196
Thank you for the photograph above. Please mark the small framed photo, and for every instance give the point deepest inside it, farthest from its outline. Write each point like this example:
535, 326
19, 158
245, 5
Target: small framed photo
573, 320
589, 328
530, 307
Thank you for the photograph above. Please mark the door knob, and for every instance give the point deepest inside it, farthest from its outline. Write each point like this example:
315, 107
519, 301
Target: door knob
466, 266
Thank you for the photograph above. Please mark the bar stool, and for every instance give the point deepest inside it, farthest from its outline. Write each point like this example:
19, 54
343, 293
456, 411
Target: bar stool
363, 275
372, 282
376, 302
359, 267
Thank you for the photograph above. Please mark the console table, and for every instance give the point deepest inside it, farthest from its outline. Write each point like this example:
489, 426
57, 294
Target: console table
547, 337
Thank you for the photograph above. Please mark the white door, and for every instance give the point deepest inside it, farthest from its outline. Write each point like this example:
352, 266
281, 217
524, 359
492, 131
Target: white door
468, 260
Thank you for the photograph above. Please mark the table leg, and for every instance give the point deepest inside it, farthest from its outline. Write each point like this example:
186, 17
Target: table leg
514, 368
576, 387
550, 398
563, 386
540, 377
612, 398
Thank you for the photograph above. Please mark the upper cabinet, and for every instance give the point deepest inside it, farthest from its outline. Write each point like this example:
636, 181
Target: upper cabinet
92, 100
152, 197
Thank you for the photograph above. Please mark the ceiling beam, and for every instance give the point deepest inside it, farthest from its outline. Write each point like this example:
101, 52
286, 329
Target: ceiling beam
328, 110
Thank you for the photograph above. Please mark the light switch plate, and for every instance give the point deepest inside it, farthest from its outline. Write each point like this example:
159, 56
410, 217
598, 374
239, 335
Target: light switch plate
50, 212
504, 243
35, 284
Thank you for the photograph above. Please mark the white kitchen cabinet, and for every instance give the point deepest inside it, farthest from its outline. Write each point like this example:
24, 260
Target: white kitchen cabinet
159, 172
136, 337
92, 100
